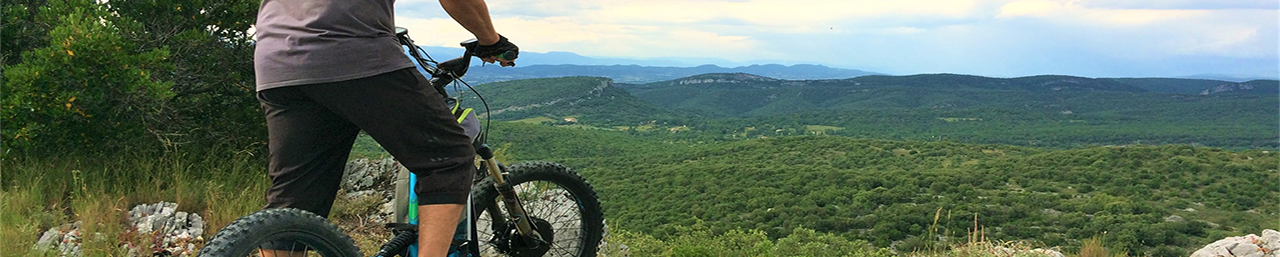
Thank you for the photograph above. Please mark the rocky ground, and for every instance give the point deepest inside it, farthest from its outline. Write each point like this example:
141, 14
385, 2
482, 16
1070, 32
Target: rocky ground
165, 230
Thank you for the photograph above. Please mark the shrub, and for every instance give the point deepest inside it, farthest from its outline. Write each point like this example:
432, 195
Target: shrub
88, 88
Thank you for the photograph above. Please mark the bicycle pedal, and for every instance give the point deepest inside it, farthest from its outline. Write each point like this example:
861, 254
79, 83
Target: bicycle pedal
402, 227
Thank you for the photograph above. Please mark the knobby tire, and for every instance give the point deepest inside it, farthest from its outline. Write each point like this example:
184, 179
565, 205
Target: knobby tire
245, 235
551, 193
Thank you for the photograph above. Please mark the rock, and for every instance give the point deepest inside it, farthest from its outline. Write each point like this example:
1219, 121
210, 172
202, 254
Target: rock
1243, 246
1173, 218
1271, 240
175, 233
1006, 251
1048, 252
365, 175
387, 209
364, 178
49, 238
64, 240
1051, 212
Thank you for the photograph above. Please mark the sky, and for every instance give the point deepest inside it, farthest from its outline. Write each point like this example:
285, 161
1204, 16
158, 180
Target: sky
998, 38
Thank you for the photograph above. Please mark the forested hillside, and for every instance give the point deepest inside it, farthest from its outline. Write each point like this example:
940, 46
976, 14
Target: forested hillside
585, 99
1161, 200
1052, 111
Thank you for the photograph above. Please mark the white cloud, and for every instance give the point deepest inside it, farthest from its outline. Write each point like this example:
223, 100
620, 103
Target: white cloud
1149, 33
1180, 4
1036, 8
1068, 12
978, 36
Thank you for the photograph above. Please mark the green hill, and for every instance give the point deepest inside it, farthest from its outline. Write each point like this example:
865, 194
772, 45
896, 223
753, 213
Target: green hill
1160, 200
1171, 85
586, 99
1043, 111
742, 94
1057, 111
1203, 86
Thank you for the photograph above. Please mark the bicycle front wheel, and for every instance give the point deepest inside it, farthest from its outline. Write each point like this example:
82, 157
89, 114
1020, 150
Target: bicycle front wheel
280, 232
558, 201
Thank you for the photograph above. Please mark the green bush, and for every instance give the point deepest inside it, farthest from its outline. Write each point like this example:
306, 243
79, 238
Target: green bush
88, 88
699, 240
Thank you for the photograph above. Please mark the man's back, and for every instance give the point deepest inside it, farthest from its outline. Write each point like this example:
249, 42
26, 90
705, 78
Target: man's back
317, 41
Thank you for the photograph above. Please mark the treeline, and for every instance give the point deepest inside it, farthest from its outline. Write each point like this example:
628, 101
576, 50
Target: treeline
83, 75
1007, 117
1158, 200
922, 107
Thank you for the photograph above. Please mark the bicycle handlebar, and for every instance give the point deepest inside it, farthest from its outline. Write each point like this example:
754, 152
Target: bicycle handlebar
457, 67
445, 72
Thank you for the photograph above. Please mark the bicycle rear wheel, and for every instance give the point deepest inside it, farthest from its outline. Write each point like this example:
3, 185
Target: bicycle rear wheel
280, 232
560, 203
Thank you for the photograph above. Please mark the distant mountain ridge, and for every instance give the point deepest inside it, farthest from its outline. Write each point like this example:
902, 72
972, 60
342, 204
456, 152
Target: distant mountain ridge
957, 81
941, 81
739, 94
566, 64
647, 74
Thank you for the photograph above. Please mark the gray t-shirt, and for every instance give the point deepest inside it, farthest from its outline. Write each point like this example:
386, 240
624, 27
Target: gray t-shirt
316, 41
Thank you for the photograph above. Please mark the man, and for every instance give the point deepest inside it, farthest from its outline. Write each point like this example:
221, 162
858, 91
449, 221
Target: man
327, 69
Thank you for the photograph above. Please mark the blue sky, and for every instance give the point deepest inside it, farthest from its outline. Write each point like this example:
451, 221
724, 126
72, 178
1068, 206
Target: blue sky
1001, 38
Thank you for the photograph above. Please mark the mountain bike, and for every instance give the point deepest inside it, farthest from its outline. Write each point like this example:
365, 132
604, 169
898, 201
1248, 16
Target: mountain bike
525, 209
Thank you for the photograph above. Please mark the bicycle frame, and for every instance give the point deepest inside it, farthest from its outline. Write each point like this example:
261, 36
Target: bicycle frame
405, 226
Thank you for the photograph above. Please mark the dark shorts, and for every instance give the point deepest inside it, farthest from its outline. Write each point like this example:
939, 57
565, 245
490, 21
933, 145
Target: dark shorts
312, 128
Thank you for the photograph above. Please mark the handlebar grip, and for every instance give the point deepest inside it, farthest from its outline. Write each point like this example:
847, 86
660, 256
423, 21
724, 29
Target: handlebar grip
509, 55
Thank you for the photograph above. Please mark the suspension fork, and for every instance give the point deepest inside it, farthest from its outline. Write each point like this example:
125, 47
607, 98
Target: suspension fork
524, 225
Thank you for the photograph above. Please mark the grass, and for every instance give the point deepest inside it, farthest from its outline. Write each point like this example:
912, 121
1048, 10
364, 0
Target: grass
22, 215
977, 244
41, 192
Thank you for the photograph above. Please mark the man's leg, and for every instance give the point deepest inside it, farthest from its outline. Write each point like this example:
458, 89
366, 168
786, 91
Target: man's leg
436, 225
411, 121
308, 150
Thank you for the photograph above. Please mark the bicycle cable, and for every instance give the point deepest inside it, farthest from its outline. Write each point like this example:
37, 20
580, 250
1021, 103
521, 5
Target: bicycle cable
488, 119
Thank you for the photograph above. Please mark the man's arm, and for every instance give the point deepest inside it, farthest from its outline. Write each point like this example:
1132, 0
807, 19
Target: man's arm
473, 15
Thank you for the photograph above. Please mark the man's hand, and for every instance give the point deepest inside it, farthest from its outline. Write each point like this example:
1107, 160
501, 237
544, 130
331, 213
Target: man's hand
503, 52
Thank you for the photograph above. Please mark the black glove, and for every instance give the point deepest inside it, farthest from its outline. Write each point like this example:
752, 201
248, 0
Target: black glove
502, 49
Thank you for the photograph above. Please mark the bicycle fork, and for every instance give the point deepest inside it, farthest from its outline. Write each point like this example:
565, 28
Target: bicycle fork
524, 226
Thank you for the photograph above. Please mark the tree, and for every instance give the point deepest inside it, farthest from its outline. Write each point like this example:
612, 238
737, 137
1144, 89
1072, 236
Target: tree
87, 88
807, 242
23, 30
213, 99
146, 72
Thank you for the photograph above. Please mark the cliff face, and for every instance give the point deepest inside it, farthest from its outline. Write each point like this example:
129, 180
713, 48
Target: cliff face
1255, 87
